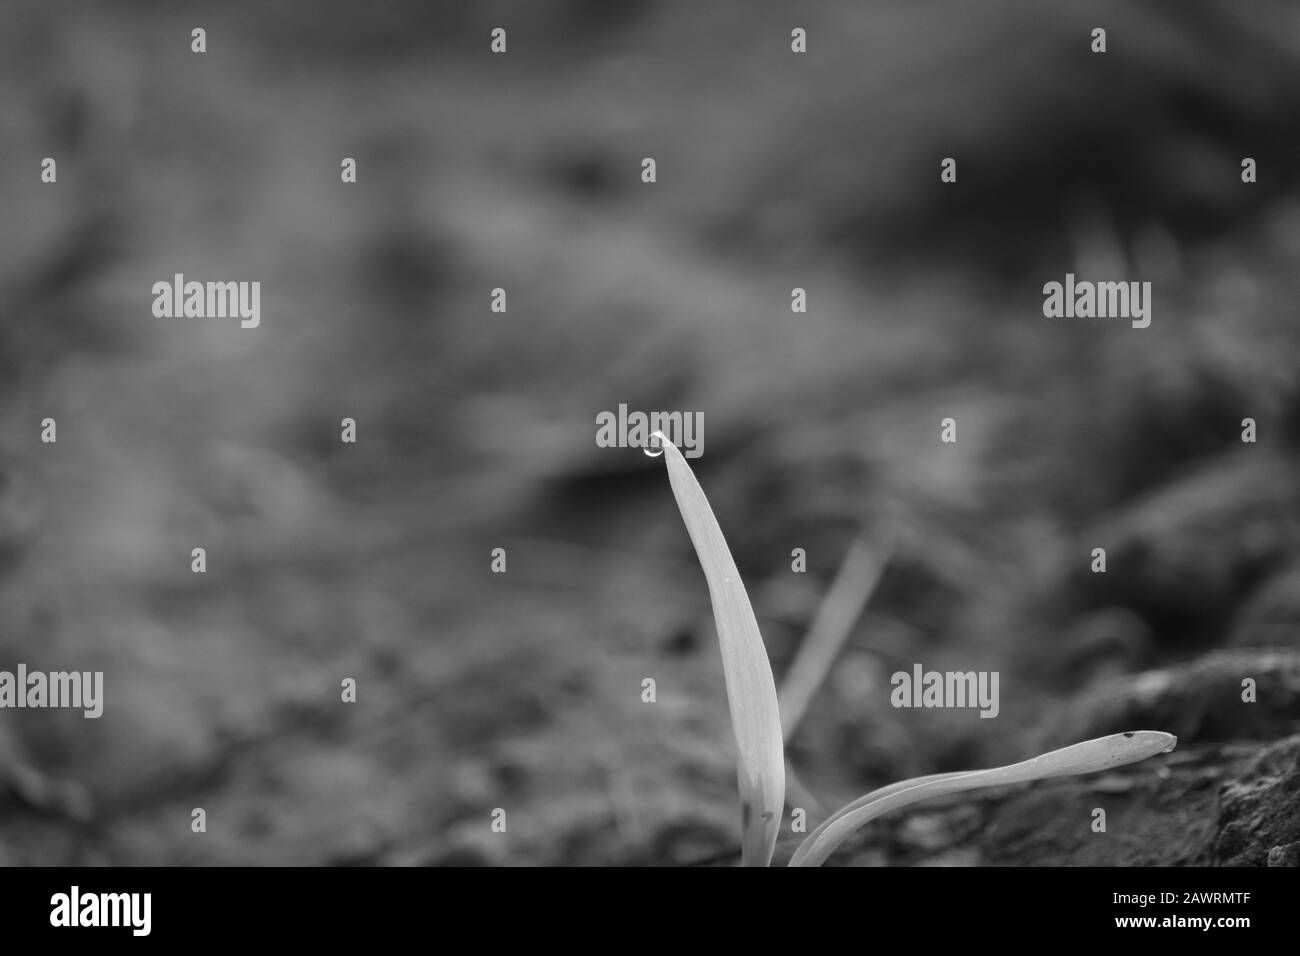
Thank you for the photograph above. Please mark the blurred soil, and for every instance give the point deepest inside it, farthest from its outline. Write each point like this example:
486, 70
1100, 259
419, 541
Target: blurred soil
523, 691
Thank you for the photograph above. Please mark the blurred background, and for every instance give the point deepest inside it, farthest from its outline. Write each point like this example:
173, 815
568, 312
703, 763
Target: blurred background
476, 430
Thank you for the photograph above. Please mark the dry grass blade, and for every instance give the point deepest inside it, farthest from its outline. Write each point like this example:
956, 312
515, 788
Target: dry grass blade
839, 611
1087, 757
751, 691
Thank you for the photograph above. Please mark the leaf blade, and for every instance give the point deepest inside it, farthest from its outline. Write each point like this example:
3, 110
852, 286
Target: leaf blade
751, 689
1090, 756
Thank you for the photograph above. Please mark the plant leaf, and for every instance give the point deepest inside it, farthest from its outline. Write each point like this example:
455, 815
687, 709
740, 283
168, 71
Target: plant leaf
849, 593
1090, 756
751, 691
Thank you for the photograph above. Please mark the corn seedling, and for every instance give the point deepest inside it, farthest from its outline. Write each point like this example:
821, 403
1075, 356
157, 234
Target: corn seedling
756, 721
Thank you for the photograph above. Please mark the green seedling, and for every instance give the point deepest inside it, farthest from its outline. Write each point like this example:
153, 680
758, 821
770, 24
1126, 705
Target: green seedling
756, 720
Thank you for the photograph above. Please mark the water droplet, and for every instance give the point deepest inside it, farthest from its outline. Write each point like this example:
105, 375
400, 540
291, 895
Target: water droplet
655, 447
